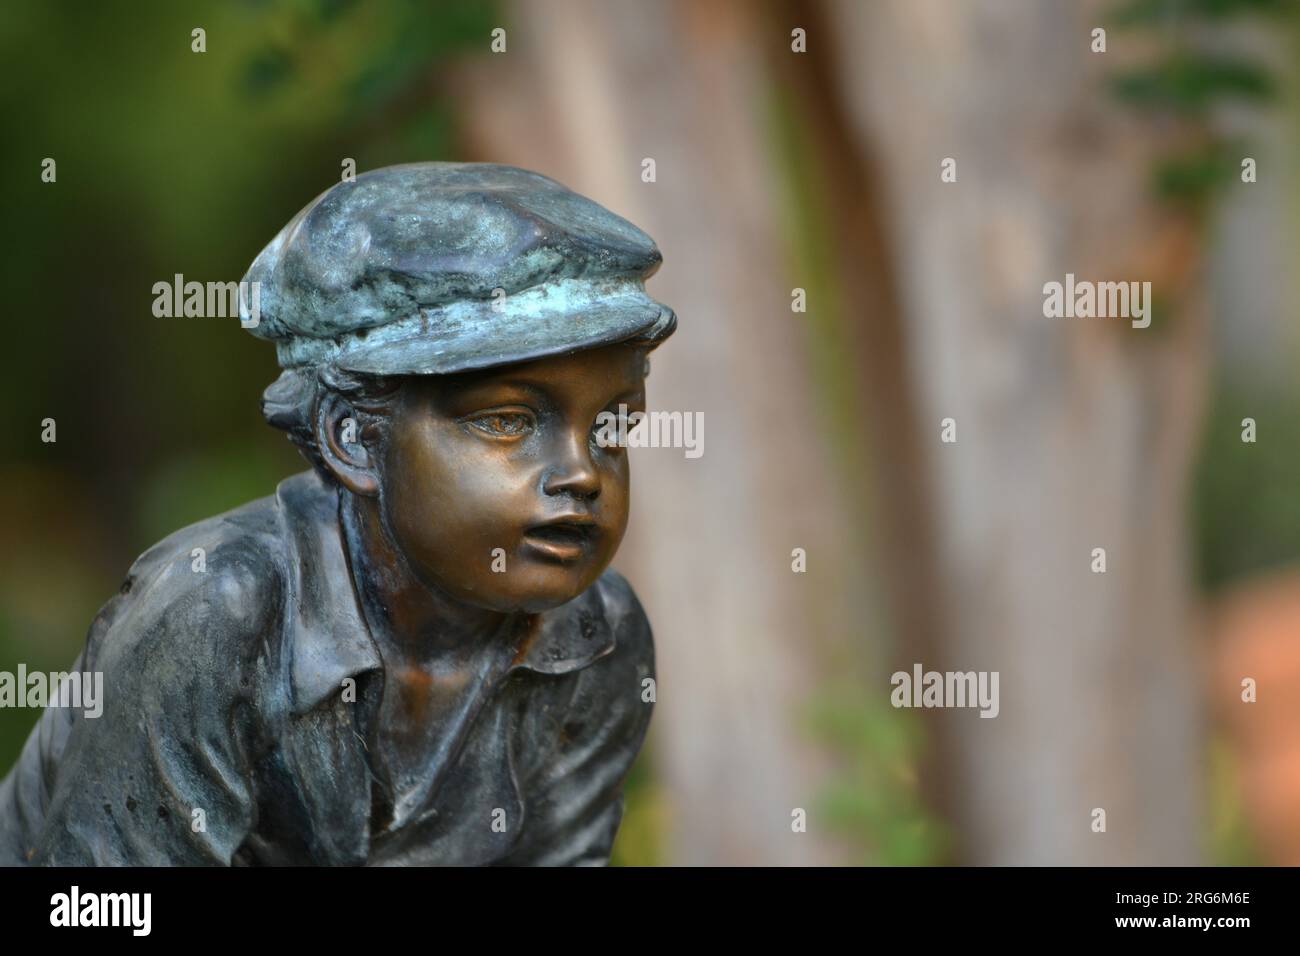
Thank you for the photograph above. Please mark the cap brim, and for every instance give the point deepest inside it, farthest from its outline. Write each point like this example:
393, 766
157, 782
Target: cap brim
478, 335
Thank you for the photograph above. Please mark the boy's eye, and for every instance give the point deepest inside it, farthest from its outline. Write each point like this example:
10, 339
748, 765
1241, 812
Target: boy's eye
502, 424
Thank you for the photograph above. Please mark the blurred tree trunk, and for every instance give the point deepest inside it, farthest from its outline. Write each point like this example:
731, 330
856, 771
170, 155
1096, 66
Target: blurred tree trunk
1072, 434
585, 93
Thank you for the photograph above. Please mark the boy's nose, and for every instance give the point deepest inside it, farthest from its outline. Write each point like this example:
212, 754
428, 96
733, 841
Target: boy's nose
571, 471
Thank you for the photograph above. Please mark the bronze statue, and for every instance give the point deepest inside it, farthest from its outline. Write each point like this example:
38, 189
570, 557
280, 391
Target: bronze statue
412, 653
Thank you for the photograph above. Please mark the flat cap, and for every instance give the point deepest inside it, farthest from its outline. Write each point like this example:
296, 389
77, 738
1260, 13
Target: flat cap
432, 268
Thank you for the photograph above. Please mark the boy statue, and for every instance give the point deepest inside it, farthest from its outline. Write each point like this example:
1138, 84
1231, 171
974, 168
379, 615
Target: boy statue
413, 653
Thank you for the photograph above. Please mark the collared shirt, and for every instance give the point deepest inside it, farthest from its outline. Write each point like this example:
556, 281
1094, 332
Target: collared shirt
240, 688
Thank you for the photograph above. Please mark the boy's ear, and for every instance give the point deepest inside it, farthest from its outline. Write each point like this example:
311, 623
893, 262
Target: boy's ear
338, 438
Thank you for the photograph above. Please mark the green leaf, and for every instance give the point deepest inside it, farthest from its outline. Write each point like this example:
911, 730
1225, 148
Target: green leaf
1143, 12
1191, 83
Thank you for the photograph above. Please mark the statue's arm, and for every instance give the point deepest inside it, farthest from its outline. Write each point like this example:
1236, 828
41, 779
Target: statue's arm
163, 776
25, 790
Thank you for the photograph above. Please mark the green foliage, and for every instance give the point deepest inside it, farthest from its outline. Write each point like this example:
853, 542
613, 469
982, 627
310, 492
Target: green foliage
1191, 83
1185, 177
873, 800
642, 835
1246, 506
1157, 12
267, 69
357, 57
1231, 842
1187, 83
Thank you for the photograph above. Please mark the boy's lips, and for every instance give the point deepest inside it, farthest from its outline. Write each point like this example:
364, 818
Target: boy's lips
566, 538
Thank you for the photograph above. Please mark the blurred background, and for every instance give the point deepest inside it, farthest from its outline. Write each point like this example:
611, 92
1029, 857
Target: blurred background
783, 161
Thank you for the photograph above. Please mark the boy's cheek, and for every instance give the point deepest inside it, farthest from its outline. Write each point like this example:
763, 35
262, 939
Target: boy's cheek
461, 514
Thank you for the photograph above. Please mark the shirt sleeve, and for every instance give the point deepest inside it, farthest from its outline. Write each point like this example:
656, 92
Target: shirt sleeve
162, 776
25, 791
575, 804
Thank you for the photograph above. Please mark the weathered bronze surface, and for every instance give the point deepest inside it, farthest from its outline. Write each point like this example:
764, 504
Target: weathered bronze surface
413, 653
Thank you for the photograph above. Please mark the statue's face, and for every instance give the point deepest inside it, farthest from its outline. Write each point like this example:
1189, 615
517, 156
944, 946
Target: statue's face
493, 483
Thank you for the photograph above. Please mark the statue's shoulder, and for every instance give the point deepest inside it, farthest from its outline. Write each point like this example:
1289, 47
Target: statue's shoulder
241, 549
202, 592
626, 617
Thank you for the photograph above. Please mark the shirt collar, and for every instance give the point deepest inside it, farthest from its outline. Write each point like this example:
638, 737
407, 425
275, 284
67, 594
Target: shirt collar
326, 633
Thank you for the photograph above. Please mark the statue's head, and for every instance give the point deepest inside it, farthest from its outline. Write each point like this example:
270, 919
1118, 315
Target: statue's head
453, 338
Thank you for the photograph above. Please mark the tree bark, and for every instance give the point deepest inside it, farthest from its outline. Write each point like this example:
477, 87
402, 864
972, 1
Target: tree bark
1072, 434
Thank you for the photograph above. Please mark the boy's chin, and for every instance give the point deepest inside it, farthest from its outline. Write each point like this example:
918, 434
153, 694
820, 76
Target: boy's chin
531, 603
535, 597
549, 599
540, 605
